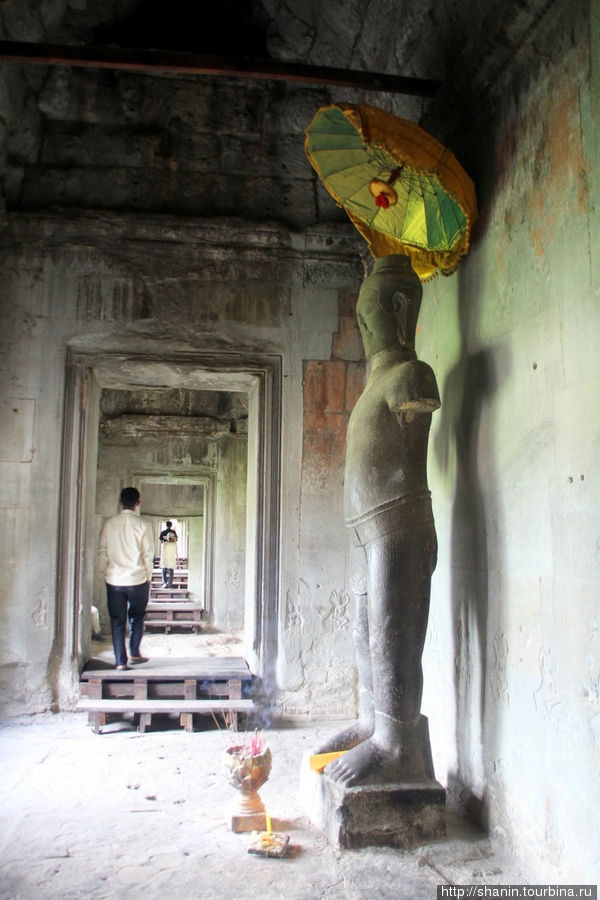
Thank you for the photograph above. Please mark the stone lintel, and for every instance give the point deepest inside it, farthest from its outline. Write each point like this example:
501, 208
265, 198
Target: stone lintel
221, 237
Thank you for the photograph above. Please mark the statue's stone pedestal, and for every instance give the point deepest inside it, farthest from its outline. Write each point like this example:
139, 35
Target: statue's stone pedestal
390, 815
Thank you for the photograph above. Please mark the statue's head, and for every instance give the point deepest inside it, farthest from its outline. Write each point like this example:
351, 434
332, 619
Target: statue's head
388, 305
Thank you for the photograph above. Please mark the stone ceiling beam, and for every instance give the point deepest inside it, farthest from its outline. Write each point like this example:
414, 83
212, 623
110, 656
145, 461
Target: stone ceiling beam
184, 63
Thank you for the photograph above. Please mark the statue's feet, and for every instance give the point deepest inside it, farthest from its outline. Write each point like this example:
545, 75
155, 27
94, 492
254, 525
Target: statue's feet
365, 763
401, 757
344, 740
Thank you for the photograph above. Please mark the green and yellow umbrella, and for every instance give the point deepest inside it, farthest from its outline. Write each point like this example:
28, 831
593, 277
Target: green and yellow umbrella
403, 190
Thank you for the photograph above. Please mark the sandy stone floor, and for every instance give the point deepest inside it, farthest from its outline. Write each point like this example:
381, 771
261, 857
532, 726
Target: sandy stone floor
126, 815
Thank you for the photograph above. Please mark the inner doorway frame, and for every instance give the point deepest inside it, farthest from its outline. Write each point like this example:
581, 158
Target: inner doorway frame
88, 371
194, 475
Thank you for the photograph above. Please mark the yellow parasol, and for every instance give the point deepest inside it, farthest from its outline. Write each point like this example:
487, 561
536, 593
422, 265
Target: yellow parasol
403, 190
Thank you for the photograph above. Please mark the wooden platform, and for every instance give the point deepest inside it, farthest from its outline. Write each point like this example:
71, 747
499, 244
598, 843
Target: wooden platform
175, 593
181, 686
179, 591
169, 613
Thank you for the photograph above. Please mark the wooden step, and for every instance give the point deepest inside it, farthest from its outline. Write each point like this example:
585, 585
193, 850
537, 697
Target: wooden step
177, 573
86, 704
97, 709
175, 605
157, 582
178, 592
201, 668
177, 617
170, 612
156, 690
177, 579
167, 624
169, 683
177, 586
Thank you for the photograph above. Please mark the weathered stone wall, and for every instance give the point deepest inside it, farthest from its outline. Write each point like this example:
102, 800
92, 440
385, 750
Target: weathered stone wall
318, 602
512, 668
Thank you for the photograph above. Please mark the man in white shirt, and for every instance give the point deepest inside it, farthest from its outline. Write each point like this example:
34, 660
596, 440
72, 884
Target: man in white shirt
126, 551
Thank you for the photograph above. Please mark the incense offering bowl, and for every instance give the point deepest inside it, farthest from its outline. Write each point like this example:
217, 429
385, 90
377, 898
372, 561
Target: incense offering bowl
247, 772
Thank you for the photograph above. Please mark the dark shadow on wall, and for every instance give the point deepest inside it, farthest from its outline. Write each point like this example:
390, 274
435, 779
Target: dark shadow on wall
468, 389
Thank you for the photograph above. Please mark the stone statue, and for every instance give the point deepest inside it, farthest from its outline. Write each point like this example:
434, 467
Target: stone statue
387, 508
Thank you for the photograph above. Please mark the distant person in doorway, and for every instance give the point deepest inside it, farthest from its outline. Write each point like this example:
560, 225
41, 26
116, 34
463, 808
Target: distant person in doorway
168, 533
169, 556
126, 551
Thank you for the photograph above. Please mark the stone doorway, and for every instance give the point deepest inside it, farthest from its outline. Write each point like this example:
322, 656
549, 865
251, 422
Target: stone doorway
186, 451
88, 374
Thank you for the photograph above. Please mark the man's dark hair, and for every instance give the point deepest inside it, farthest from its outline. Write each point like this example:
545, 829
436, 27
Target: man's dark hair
169, 524
129, 497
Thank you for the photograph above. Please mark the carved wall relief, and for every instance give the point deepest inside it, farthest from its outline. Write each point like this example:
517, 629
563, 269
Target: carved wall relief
336, 617
40, 616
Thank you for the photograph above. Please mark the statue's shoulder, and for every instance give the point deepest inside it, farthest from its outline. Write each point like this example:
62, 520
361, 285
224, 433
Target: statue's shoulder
412, 385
